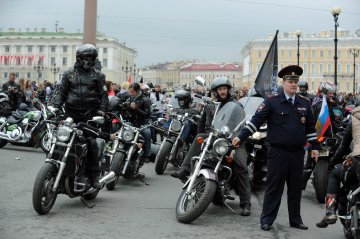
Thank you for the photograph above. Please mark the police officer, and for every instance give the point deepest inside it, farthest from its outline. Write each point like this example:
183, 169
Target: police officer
84, 93
290, 125
220, 88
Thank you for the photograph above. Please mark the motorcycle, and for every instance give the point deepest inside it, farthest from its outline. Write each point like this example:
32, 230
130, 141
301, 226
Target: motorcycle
178, 139
210, 179
64, 169
256, 145
28, 127
128, 158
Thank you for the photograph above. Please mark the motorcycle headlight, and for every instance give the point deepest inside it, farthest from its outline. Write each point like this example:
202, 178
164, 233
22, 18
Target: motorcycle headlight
63, 133
175, 126
221, 146
128, 135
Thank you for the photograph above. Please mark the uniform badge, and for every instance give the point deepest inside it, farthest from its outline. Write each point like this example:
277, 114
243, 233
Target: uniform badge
261, 107
303, 119
104, 88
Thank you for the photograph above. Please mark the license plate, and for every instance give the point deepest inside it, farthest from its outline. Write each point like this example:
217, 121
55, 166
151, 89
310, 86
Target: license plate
257, 146
323, 153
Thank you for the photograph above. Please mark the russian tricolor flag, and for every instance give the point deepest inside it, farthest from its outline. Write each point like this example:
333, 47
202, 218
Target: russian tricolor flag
323, 122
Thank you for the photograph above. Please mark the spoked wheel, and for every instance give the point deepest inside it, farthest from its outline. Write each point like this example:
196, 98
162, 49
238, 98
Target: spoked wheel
190, 206
45, 143
43, 196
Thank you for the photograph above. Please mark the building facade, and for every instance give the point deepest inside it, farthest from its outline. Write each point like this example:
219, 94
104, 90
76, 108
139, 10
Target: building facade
23, 52
316, 58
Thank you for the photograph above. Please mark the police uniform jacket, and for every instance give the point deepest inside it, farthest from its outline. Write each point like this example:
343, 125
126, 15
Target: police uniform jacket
82, 90
289, 125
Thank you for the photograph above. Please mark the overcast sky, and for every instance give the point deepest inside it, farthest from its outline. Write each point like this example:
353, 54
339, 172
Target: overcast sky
166, 30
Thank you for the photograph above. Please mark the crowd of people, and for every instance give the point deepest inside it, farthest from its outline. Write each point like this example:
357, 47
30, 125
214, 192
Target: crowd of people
291, 116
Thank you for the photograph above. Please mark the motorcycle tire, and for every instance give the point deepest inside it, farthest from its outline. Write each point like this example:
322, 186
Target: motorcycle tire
44, 144
347, 233
116, 166
43, 197
3, 143
162, 158
207, 189
321, 178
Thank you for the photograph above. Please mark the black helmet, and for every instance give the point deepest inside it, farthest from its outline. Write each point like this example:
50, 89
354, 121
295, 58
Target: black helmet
303, 84
4, 97
357, 101
86, 55
220, 81
184, 98
114, 103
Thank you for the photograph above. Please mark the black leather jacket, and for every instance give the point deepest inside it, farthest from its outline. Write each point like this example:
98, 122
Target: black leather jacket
141, 115
82, 90
14, 98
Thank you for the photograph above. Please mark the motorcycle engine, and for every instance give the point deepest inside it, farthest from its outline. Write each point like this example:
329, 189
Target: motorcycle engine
15, 134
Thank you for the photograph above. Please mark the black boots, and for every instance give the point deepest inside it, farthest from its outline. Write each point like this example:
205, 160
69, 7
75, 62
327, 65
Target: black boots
94, 181
182, 174
330, 216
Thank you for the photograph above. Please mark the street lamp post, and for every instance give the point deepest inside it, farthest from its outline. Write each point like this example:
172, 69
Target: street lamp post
298, 34
135, 71
126, 69
55, 69
355, 53
335, 11
39, 68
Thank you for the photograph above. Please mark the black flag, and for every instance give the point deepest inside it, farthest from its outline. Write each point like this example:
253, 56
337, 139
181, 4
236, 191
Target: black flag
141, 80
266, 80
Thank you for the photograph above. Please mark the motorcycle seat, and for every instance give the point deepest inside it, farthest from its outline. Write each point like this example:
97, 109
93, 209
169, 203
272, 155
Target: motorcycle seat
12, 120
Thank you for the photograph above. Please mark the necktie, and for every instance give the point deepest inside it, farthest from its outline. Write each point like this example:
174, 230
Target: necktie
290, 101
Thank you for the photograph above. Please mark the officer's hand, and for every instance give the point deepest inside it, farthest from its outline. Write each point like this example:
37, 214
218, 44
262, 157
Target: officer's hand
236, 142
315, 155
100, 112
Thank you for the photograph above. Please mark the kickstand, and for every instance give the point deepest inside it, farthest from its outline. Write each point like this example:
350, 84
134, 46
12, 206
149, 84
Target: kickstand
85, 203
232, 210
143, 181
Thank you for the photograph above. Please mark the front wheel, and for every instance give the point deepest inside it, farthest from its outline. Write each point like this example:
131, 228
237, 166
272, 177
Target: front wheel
45, 142
321, 178
116, 165
162, 158
43, 195
190, 206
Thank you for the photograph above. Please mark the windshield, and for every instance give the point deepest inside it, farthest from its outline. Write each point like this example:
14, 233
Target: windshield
251, 106
230, 115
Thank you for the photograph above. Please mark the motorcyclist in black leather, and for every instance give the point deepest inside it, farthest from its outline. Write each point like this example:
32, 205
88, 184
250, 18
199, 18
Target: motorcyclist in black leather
84, 94
12, 90
220, 88
303, 88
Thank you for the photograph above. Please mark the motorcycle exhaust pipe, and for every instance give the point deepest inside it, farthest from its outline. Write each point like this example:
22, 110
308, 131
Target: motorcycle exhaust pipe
108, 178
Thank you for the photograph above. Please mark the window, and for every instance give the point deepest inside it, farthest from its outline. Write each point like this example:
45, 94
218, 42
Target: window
105, 50
305, 68
30, 61
321, 69
329, 68
5, 75
41, 48
17, 74
312, 85
40, 75
321, 53
64, 61
339, 53
29, 48
347, 54
18, 61
259, 54
18, 49
347, 86
290, 53
52, 49
329, 54
305, 53
105, 63
339, 68
7, 48
64, 49
28, 75
348, 68
313, 52
313, 68
52, 61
